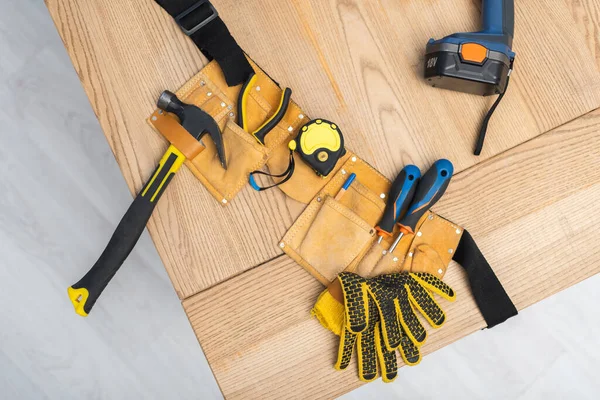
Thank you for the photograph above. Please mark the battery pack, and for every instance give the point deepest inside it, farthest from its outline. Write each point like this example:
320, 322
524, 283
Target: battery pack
467, 67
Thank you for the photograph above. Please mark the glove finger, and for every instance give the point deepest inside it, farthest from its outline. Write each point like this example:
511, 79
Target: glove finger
367, 356
387, 358
409, 321
383, 296
390, 325
347, 341
409, 351
423, 300
355, 301
435, 284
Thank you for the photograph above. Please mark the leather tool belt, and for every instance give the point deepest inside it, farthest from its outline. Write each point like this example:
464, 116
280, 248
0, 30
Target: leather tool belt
330, 236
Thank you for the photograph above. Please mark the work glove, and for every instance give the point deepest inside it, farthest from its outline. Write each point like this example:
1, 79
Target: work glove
398, 295
377, 315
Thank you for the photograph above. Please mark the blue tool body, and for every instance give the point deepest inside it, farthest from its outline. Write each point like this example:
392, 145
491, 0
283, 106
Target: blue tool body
498, 28
476, 62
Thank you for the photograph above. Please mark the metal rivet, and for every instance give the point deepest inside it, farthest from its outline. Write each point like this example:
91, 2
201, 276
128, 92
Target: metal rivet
384, 252
223, 104
382, 195
353, 159
290, 128
419, 233
230, 107
161, 112
430, 216
224, 201
440, 271
231, 114
395, 259
318, 199
282, 245
371, 232
154, 118
410, 254
458, 231
301, 116
202, 83
343, 172
209, 94
450, 251
258, 88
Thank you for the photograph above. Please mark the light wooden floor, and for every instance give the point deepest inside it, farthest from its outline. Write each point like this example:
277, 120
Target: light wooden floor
61, 197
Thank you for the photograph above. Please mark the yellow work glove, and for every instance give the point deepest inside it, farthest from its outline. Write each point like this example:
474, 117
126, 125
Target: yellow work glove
399, 295
371, 315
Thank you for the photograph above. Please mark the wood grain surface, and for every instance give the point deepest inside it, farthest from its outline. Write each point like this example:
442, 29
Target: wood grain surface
356, 62
535, 240
530, 200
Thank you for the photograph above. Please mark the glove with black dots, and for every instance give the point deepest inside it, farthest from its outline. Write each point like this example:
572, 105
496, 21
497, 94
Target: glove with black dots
377, 316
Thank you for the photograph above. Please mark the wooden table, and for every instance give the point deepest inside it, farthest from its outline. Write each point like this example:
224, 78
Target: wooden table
531, 200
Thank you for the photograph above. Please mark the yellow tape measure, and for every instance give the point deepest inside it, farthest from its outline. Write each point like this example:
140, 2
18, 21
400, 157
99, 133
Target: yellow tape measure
320, 143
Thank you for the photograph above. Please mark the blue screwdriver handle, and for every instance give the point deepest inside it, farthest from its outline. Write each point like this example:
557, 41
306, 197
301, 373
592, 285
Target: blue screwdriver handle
400, 197
430, 189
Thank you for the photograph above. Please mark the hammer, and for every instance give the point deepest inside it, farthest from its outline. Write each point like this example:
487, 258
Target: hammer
197, 123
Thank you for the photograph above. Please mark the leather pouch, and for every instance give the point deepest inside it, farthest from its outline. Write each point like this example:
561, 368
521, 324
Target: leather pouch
209, 91
433, 244
243, 154
333, 236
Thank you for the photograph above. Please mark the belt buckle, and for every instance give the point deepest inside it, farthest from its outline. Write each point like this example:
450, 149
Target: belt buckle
214, 14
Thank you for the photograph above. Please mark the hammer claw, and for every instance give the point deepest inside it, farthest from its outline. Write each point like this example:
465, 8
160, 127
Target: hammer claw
196, 121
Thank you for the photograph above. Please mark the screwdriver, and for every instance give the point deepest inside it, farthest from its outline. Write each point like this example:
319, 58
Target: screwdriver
429, 190
399, 198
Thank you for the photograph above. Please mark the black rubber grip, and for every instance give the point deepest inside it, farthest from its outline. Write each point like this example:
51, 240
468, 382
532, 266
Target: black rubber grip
276, 118
399, 198
124, 238
509, 17
431, 188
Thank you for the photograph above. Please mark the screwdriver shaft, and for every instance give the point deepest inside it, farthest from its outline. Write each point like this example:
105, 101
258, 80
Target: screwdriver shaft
396, 242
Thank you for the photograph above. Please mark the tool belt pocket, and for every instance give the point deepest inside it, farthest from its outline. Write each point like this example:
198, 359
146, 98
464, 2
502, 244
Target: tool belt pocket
243, 155
434, 235
335, 238
209, 91
333, 235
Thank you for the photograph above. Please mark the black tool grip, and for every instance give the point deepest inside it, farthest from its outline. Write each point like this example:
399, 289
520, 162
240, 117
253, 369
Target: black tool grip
399, 198
88, 289
431, 188
272, 122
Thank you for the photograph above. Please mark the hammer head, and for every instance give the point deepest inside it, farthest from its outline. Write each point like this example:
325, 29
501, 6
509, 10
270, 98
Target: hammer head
194, 120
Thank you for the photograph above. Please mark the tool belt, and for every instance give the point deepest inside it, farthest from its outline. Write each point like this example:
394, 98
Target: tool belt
330, 236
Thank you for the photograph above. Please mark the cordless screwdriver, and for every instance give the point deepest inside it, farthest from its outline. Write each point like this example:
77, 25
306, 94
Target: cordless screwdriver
430, 189
400, 197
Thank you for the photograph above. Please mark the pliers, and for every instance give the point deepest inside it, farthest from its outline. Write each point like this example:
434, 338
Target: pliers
262, 131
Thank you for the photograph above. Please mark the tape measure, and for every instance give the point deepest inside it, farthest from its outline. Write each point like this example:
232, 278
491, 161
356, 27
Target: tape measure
320, 143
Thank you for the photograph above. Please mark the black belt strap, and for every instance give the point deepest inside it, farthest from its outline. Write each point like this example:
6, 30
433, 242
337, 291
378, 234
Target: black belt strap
200, 21
490, 296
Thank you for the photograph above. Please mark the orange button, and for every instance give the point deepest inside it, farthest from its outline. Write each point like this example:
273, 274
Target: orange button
473, 52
